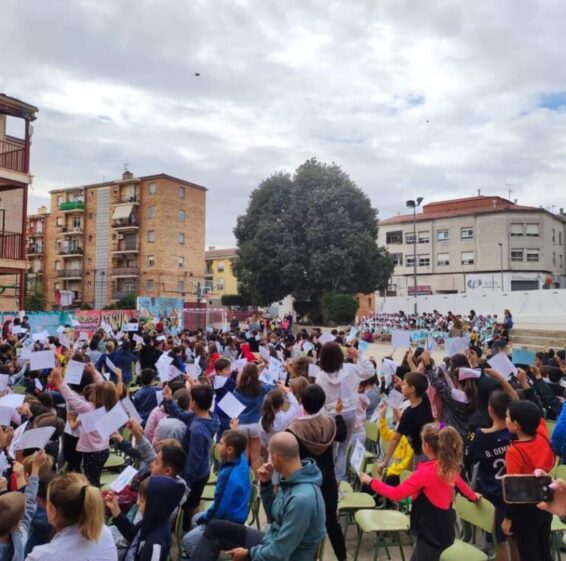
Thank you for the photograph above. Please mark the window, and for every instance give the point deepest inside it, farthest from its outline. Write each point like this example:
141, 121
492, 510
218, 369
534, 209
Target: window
151, 236
152, 188
467, 234
181, 238
554, 258
181, 192
220, 266
553, 235
533, 255
180, 262
442, 259
410, 238
77, 222
560, 238
180, 285
467, 257
151, 260
60, 221
517, 255
424, 237
181, 216
424, 260
394, 237
397, 258
91, 216
442, 235
60, 200
220, 283
410, 260
57, 265
149, 284
516, 230
533, 230
560, 260
151, 212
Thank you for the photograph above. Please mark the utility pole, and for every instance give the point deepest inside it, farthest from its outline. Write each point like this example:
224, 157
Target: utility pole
414, 204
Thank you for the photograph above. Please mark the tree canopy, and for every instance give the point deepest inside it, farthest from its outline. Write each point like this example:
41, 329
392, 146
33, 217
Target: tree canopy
307, 234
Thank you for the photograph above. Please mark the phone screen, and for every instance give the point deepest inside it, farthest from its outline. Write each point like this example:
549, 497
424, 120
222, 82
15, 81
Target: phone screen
526, 489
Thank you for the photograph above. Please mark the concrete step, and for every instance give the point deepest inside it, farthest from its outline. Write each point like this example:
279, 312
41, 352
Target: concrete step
537, 340
551, 333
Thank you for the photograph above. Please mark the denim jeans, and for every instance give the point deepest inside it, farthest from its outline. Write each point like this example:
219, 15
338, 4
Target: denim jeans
341, 448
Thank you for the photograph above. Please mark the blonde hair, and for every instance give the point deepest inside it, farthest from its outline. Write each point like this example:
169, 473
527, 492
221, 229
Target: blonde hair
45, 468
447, 446
104, 394
77, 502
298, 386
12, 508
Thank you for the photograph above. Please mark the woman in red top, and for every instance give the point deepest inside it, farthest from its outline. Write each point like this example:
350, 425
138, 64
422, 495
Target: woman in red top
431, 487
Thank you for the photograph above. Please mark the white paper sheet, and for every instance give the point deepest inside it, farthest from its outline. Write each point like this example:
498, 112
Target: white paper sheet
74, 372
112, 421
131, 409
238, 364
307, 347
394, 399
89, 420
326, 338
16, 437
110, 365
357, 457
132, 327
42, 359
159, 396
138, 339
162, 367
231, 406
268, 377
219, 382
120, 483
41, 336
119, 335
35, 438
193, 370
38, 384
4, 381
264, 353
12, 400
5, 416
65, 341
400, 339
501, 363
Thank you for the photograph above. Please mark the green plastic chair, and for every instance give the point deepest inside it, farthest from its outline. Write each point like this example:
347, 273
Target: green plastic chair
349, 504
254, 504
480, 514
178, 534
550, 425
557, 536
115, 462
388, 527
372, 438
345, 487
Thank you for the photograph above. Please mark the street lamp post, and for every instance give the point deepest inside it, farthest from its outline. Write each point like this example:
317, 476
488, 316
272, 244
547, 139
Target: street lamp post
501, 263
414, 204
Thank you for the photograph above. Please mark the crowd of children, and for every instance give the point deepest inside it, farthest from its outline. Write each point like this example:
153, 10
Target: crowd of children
224, 408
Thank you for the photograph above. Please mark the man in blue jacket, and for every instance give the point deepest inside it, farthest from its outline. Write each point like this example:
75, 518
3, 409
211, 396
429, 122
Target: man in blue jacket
296, 512
232, 490
145, 399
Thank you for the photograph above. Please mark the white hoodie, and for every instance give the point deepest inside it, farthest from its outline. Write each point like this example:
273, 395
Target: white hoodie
344, 384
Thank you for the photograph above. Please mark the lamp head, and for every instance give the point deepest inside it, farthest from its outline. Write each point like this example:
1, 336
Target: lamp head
411, 204
419, 200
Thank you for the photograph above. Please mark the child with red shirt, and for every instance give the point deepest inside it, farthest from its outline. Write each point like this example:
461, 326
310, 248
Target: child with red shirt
432, 488
529, 526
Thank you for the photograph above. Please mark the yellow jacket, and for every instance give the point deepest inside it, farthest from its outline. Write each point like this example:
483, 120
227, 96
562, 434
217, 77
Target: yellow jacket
402, 458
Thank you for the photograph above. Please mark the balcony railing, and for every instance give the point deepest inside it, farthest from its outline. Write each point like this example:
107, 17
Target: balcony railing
128, 246
11, 245
70, 273
12, 156
125, 271
34, 250
120, 293
72, 205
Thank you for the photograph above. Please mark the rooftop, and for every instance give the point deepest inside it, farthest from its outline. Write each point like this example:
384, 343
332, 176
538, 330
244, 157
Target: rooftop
17, 108
228, 252
464, 207
133, 179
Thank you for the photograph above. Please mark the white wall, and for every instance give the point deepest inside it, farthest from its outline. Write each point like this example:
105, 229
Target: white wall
533, 304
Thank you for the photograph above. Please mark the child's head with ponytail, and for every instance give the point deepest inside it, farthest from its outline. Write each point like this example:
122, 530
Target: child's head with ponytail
444, 444
273, 402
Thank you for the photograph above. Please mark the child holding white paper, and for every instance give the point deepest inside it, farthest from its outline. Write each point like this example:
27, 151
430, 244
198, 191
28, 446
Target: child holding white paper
273, 418
94, 448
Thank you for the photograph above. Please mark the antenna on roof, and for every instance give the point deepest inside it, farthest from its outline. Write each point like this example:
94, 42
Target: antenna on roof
126, 166
509, 185
479, 192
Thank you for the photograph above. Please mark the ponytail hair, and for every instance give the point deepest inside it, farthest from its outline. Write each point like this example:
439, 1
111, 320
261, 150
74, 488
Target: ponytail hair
77, 502
447, 446
274, 400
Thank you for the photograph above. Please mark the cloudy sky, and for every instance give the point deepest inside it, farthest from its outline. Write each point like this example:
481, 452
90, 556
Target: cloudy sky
432, 98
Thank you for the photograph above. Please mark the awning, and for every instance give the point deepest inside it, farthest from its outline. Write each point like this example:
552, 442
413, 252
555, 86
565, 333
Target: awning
122, 211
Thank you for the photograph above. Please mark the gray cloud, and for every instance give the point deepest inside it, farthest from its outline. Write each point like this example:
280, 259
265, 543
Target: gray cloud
434, 98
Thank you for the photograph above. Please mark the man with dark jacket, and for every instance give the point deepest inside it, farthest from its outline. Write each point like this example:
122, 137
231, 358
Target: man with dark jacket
316, 434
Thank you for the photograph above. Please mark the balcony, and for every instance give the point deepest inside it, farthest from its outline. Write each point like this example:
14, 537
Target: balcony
12, 156
71, 252
128, 247
70, 274
72, 206
131, 200
72, 232
124, 225
35, 234
125, 271
11, 245
122, 292
34, 251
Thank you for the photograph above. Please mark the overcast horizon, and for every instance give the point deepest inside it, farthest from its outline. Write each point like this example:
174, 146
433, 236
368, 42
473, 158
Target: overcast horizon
433, 98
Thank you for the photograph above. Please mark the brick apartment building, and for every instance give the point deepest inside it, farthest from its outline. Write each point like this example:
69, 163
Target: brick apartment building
15, 141
101, 242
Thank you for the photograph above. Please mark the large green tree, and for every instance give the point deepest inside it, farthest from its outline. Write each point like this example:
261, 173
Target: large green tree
309, 233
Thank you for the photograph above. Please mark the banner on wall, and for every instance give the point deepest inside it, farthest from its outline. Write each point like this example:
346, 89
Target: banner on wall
168, 310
